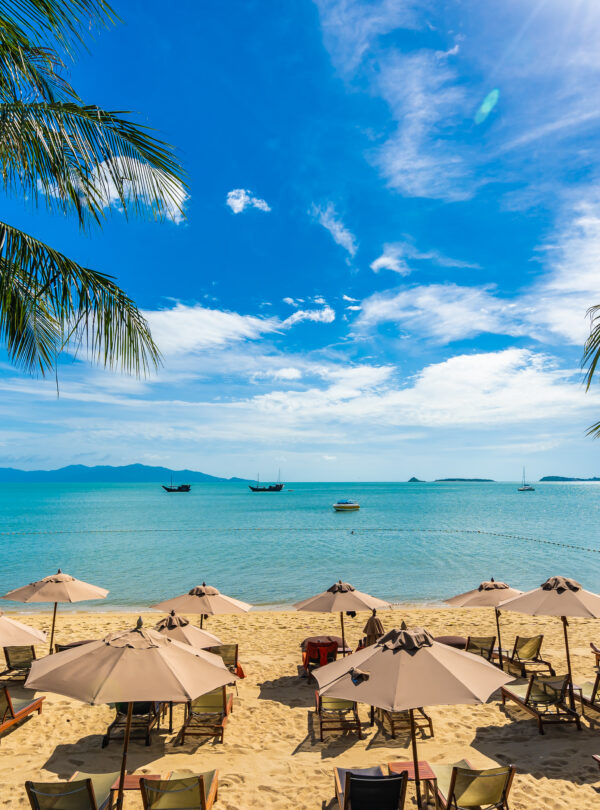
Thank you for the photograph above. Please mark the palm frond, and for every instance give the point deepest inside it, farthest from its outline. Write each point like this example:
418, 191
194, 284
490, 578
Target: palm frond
88, 307
591, 350
82, 158
30, 72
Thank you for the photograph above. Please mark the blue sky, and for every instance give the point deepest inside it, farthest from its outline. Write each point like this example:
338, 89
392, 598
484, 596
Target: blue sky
392, 236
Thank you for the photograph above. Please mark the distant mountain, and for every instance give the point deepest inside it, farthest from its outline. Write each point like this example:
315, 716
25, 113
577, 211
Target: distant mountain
130, 473
466, 480
414, 480
562, 478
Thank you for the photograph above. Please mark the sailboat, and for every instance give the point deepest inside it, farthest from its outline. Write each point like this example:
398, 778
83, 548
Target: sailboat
525, 487
271, 488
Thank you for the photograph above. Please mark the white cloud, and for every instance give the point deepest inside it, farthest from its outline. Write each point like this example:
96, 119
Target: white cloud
240, 198
290, 301
329, 219
354, 308
349, 298
318, 299
193, 328
324, 315
395, 254
390, 259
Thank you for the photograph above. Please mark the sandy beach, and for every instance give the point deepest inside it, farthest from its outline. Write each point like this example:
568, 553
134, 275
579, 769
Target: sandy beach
271, 756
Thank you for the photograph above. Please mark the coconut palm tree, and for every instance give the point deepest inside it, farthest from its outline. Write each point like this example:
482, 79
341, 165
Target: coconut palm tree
591, 357
76, 159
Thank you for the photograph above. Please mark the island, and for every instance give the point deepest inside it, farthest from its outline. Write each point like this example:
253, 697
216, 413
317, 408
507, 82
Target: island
466, 480
126, 474
414, 480
563, 478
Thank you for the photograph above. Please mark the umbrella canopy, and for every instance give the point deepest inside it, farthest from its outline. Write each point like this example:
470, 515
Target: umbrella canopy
343, 597
205, 600
13, 633
56, 588
128, 666
488, 594
558, 596
373, 629
407, 669
178, 628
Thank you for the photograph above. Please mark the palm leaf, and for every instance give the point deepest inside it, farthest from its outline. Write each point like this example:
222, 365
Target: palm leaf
87, 307
80, 158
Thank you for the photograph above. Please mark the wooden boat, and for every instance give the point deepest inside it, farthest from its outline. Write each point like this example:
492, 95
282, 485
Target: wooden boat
176, 487
270, 488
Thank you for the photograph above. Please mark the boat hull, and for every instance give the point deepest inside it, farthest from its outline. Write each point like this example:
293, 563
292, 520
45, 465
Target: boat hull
180, 488
346, 507
272, 488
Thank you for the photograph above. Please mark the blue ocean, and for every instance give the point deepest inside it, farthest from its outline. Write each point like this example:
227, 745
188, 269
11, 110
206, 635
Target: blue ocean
408, 543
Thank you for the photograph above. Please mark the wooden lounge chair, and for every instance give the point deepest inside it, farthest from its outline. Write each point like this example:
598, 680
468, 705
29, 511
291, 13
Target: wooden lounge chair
181, 791
544, 698
481, 645
401, 720
145, 716
460, 786
19, 660
336, 714
229, 654
13, 710
369, 789
589, 694
83, 791
596, 651
207, 715
526, 659
318, 655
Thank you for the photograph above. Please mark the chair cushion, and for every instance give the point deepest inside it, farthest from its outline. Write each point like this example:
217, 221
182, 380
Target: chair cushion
443, 774
208, 776
19, 704
359, 772
101, 783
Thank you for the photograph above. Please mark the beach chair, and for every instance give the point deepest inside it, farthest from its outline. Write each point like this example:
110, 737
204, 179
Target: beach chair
369, 789
596, 651
589, 694
545, 698
596, 758
181, 791
526, 658
207, 715
459, 786
318, 655
401, 721
19, 659
83, 791
229, 654
336, 714
13, 710
145, 716
481, 645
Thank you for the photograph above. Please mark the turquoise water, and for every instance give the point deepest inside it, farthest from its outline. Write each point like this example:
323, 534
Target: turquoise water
145, 545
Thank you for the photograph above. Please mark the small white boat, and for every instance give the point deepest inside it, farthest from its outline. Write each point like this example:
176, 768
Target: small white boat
525, 487
346, 505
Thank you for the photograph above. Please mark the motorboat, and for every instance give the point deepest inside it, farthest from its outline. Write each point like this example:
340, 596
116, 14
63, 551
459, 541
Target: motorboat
346, 505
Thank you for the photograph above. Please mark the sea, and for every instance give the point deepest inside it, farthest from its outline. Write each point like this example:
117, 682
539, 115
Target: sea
409, 543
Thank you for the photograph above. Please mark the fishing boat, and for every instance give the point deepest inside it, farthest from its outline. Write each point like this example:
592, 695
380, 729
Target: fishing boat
346, 505
525, 487
270, 487
176, 487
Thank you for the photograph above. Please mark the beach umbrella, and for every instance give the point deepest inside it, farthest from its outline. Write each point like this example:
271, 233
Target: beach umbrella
558, 596
373, 629
407, 669
180, 629
15, 634
488, 594
56, 588
341, 597
205, 600
129, 666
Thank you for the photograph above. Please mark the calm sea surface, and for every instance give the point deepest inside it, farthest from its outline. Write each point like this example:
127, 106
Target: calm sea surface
408, 542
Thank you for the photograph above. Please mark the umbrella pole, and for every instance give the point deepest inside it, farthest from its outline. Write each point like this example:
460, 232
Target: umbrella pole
413, 739
571, 696
201, 620
52, 633
343, 636
499, 639
124, 759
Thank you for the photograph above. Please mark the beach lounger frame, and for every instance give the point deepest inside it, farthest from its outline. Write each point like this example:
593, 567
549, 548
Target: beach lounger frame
19, 659
373, 777
191, 791
589, 697
596, 652
94, 789
336, 714
545, 698
481, 645
461, 779
142, 722
398, 720
209, 723
526, 664
12, 711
